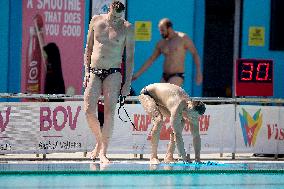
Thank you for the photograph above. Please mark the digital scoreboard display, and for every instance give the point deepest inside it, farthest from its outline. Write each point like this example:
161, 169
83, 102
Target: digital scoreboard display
254, 77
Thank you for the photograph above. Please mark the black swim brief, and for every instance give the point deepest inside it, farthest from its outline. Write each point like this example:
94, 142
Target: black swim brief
168, 76
144, 91
103, 73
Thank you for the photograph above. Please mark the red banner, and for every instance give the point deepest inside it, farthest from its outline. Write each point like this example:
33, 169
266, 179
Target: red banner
52, 46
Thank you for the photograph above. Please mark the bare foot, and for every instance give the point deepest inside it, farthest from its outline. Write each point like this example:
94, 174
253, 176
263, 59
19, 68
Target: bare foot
197, 159
104, 159
94, 154
154, 161
169, 160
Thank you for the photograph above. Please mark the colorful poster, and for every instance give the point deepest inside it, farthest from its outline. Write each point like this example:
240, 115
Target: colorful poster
52, 46
143, 31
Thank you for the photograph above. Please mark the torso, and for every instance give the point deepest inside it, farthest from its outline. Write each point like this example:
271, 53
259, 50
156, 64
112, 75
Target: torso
166, 94
109, 41
174, 52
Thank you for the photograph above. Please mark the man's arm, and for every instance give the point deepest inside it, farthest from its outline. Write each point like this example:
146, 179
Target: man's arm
88, 51
190, 46
149, 62
130, 46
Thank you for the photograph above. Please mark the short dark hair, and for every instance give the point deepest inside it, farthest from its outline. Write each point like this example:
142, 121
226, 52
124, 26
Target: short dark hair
167, 22
118, 6
199, 107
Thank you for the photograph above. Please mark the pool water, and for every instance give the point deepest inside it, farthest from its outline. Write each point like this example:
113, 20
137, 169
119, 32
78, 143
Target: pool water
226, 181
124, 174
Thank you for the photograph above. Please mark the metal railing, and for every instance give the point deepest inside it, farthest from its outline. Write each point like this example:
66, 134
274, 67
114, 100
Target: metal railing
135, 99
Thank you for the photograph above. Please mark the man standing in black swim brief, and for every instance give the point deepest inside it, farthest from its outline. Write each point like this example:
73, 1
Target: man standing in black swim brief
173, 46
108, 35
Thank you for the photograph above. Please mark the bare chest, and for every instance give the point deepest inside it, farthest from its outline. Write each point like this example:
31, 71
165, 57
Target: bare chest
107, 33
172, 46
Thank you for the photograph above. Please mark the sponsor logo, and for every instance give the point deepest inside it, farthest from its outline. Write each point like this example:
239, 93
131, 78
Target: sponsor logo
273, 132
250, 126
58, 117
143, 124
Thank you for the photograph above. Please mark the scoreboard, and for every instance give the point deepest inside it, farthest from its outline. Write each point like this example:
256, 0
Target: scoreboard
254, 77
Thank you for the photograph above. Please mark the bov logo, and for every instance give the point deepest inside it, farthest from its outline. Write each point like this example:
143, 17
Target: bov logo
250, 126
3, 124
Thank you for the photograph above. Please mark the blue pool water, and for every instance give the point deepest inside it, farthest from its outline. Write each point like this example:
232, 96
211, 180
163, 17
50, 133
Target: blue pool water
123, 174
226, 181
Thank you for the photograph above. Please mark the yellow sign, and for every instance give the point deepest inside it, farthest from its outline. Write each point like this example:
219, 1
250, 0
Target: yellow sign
256, 36
143, 31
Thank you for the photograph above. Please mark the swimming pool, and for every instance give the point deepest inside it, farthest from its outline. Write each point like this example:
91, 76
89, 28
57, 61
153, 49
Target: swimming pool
139, 174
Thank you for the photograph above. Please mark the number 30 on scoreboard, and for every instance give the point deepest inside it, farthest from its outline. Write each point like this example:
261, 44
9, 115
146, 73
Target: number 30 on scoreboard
254, 77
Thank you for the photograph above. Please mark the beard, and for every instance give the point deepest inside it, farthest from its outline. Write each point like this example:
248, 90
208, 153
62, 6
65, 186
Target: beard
165, 36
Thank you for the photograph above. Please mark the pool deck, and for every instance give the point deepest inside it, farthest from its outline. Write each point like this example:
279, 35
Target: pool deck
79, 163
81, 156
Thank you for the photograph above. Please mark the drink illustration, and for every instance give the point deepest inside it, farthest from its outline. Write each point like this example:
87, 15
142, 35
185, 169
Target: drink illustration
35, 64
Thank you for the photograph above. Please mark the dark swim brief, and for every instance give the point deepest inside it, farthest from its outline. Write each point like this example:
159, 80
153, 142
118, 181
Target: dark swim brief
168, 76
104, 73
144, 91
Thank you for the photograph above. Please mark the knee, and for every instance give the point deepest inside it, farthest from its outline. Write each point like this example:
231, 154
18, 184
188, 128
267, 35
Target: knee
178, 136
90, 110
195, 133
155, 131
157, 118
157, 127
109, 110
196, 136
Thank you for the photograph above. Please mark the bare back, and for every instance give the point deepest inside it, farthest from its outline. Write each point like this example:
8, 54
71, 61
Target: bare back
174, 51
108, 42
167, 95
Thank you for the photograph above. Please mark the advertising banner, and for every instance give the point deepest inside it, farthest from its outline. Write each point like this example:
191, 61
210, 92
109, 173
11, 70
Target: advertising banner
216, 129
51, 127
258, 129
43, 128
52, 46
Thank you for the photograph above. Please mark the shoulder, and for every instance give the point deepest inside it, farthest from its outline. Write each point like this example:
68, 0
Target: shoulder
183, 35
127, 24
185, 39
160, 43
98, 17
95, 18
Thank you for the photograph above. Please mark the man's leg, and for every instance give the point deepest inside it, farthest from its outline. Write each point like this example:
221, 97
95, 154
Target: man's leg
171, 148
151, 108
111, 89
91, 95
194, 129
176, 80
178, 125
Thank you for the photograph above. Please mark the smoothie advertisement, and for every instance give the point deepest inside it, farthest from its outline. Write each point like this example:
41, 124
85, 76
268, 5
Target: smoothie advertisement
52, 46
